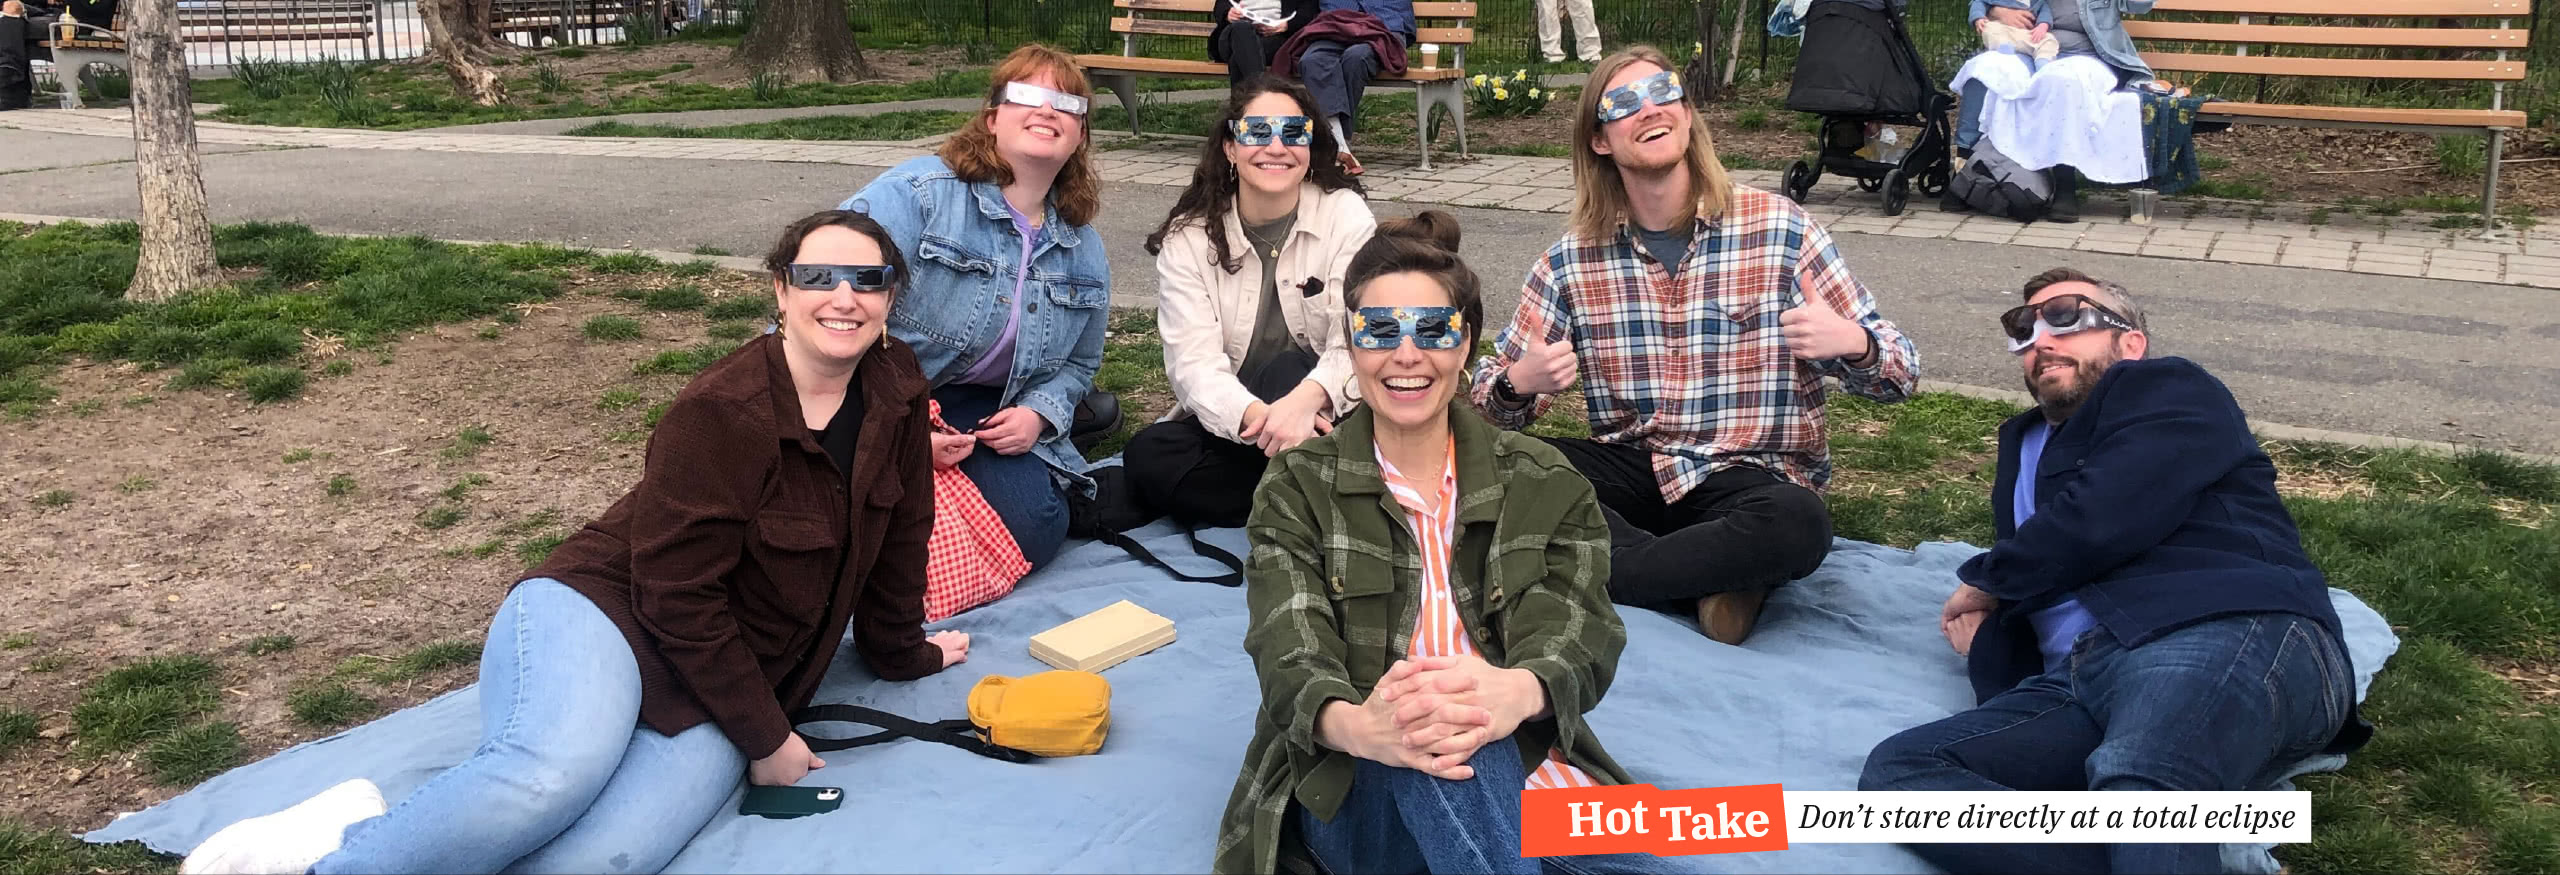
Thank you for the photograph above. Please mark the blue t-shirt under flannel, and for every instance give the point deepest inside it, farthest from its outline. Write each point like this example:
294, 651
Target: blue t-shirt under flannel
2060, 625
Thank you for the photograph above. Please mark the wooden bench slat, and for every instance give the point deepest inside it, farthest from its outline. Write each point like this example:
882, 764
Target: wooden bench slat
2357, 68
1447, 36
2414, 37
1444, 10
1164, 66
1162, 27
2458, 118
1203, 7
2369, 8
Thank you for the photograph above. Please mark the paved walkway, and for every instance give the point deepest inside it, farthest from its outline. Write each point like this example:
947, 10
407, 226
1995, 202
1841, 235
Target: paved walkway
2212, 231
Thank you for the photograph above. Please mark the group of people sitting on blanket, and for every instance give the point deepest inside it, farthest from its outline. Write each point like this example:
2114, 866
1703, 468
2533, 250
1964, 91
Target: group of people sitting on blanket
1433, 593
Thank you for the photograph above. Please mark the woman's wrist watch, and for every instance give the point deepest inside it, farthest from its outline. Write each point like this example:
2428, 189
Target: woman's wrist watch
1503, 389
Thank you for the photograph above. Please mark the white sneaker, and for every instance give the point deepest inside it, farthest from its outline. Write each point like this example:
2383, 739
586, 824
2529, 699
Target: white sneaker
288, 842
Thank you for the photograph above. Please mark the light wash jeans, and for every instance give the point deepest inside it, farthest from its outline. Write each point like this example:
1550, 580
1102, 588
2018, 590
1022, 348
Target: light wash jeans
565, 780
1397, 820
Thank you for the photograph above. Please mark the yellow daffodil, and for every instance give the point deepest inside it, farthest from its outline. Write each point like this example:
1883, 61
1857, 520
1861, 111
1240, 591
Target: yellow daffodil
1478, 81
1501, 93
1533, 94
1521, 76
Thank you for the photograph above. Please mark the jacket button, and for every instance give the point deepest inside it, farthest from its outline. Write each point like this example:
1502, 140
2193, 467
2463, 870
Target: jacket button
1495, 598
1033, 306
1337, 584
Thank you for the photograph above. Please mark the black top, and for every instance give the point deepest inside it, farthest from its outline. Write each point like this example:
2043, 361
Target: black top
844, 429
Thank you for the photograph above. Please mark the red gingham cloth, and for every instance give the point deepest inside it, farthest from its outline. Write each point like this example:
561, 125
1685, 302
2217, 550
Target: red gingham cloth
971, 559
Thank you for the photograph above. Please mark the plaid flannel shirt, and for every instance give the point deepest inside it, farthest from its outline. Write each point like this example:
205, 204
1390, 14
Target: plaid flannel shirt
1693, 367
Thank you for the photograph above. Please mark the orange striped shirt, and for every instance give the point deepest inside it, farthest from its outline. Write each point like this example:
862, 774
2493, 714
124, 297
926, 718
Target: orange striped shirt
1438, 630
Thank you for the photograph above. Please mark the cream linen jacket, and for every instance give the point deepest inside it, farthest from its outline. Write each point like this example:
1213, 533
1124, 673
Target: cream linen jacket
1206, 314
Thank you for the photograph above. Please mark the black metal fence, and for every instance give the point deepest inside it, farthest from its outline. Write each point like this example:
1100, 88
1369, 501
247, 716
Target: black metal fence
222, 33
1506, 38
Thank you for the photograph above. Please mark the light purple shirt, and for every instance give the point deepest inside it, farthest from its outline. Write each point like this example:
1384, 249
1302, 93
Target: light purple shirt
996, 369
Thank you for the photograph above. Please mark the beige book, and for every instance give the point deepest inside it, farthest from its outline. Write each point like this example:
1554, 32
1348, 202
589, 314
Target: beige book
1102, 639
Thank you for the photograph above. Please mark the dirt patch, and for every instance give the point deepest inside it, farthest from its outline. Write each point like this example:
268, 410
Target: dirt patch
603, 73
229, 541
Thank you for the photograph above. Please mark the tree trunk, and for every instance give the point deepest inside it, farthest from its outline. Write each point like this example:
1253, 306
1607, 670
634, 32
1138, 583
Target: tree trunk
459, 39
177, 237
805, 41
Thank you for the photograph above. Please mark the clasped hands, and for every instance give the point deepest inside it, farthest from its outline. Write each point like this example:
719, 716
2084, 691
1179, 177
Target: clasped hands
1431, 714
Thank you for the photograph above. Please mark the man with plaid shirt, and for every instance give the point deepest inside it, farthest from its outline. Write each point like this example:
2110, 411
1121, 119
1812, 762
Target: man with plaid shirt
1700, 318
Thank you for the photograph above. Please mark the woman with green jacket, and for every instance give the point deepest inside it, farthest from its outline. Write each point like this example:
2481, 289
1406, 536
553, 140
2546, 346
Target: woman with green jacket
1431, 620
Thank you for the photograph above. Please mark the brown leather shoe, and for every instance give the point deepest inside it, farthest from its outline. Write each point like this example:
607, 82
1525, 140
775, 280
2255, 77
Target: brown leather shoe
1727, 617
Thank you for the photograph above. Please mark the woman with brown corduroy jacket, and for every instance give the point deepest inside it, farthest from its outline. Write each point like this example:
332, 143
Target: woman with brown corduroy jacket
633, 680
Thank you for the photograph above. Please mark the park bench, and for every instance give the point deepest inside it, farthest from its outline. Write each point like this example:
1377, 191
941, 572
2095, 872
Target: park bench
556, 17
1444, 23
226, 21
2259, 47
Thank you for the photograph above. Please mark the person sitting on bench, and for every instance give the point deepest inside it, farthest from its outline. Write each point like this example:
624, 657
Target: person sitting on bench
1249, 33
2147, 618
24, 25
1348, 44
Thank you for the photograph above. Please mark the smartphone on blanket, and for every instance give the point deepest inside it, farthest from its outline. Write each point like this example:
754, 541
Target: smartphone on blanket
783, 803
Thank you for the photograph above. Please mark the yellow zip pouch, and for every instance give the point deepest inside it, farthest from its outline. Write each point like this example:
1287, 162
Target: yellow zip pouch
1052, 713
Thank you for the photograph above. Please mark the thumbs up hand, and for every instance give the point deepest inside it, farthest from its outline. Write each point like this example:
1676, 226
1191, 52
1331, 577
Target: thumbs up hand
1545, 368
1815, 333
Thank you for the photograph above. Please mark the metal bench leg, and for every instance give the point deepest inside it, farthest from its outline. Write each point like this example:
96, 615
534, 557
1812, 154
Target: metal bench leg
2489, 193
1422, 120
1125, 85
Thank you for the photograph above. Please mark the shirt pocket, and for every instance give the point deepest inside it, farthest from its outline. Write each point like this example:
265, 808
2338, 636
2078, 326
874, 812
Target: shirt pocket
1364, 593
948, 296
1078, 301
797, 560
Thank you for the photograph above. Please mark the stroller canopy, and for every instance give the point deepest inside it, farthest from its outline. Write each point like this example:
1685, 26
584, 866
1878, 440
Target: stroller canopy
1858, 61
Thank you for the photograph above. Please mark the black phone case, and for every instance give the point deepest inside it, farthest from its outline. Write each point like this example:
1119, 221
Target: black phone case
783, 803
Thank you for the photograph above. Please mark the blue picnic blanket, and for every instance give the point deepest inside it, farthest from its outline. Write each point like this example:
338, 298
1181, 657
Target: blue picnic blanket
1840, 660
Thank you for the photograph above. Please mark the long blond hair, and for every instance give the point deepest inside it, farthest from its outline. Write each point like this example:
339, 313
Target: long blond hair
1600, 199
971, 153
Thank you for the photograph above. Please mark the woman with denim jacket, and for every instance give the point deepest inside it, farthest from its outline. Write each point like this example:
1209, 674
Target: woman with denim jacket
1011, 290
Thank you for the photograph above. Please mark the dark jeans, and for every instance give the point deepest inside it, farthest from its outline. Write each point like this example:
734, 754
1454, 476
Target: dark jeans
1743, 529
1336, 74
1398, 820
1020, 488
1181, 470
2224, 704
1244, 49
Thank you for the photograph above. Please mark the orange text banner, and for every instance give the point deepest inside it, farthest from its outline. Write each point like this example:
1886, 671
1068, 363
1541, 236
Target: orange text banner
1641, 818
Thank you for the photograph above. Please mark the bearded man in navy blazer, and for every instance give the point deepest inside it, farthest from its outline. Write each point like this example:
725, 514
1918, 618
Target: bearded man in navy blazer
2146, 619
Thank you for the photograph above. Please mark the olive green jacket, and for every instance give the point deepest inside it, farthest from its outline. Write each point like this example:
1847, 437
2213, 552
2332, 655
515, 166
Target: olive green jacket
1332, 587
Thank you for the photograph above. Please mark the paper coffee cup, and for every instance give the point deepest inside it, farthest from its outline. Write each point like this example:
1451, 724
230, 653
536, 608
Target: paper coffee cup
1430, 56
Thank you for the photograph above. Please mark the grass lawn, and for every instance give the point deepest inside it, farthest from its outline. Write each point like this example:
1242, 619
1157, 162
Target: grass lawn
2457, 551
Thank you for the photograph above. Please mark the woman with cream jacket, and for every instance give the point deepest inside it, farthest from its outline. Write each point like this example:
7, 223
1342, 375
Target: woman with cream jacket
1250, 264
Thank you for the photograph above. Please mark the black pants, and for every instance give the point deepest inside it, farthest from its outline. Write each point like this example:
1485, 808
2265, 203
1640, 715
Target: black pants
1744, 528
1246, 51
1180, 470
18, 51
1336, 74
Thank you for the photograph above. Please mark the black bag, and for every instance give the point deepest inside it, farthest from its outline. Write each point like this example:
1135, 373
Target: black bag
959, 733
1992, 183
1270, 381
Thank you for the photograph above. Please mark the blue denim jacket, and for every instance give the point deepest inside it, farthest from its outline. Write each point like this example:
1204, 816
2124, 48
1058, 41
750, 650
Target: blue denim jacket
963, 258
2104, 21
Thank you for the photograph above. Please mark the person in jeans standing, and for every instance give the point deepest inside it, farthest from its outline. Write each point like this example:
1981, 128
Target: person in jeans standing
1251, 261
1700, 318
2147, 618
631, 681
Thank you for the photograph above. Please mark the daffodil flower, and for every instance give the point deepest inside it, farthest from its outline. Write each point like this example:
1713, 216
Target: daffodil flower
1501, 93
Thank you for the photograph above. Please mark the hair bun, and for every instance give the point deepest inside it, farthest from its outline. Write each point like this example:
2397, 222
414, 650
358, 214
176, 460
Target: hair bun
1429, 226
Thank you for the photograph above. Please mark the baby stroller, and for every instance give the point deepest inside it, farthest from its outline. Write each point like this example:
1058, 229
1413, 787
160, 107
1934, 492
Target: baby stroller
1859, 67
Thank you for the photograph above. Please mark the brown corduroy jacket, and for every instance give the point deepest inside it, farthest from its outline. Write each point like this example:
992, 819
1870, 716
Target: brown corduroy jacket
736, 564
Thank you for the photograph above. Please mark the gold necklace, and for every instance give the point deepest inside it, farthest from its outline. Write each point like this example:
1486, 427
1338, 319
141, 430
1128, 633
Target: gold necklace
1258, 241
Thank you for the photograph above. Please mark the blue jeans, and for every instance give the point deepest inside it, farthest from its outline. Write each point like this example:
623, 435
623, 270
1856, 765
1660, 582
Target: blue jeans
1335, 74
1020, 488
564, 779
1398, 820
1969, 118
2224, 704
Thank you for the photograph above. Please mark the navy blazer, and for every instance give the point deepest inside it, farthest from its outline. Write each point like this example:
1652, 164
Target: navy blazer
2156, 508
